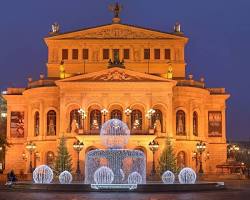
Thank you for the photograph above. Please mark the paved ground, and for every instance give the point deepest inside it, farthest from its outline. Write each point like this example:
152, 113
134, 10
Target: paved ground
236, 190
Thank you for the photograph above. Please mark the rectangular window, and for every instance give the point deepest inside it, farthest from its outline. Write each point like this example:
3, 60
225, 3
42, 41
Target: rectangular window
75, 54
126, 54
116, 54
65, 54
214, 123
167, 54
105, 54
85, 54
147, 54
157, 54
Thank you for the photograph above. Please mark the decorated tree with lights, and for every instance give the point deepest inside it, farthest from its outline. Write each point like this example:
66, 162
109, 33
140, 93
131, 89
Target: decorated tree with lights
63, 159
167, 160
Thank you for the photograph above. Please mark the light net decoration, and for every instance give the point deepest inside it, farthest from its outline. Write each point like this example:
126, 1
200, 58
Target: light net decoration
103, 175
121, 161
65, 177
187, 176
43, 174
134, 178
115, 134
168, 177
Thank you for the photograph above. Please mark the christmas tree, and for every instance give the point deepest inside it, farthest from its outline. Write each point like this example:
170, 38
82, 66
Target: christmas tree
167, 160
63, 159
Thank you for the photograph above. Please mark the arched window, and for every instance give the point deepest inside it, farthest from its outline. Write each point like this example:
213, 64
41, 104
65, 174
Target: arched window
51, 122
50, 158
75, 121
136, 120
181, 159
195, 124
95, 119
116, 114
36, 123
180, 123
157, 120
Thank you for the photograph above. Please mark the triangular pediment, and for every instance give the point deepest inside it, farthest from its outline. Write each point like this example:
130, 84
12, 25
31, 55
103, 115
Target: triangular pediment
116, 31
115, 74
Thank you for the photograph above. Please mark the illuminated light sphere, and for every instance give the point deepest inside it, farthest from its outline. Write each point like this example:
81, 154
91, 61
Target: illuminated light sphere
115, 134
134, 178
187, 176
43, 174
103, 175
168, 177
65, 177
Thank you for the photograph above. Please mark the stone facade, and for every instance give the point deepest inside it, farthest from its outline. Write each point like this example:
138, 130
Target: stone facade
186, 111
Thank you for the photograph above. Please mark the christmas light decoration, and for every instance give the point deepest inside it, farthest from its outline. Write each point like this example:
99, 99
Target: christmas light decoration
65, 177
122, 162
187, 176
134, 178
43, 174
168, 177
103, 175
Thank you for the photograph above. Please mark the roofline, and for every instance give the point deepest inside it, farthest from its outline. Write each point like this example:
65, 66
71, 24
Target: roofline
131, 25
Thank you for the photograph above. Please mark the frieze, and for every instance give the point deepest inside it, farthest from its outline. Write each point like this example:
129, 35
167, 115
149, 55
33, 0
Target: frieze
115, 76
119, 33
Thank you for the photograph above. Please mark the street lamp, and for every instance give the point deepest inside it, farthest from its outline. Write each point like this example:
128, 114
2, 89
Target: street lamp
233, 149
30, 146
104, 112
153, 146
83, 114
78, 146
200, 147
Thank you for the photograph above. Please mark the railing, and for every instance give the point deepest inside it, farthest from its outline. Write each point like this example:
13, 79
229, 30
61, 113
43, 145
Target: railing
191, 83
15, 91
217, 90
41, 83
97, 132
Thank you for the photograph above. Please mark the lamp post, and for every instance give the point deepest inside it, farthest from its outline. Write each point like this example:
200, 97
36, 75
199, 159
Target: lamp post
83, 114
78, 146
233, 149
31, 147
153, 146
200, 147
104, 112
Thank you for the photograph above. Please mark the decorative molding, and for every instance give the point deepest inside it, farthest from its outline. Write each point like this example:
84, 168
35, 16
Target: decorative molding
119, 33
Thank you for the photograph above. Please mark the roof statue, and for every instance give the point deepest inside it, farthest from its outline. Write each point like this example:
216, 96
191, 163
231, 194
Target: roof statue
55, 28
116, 8
177, 28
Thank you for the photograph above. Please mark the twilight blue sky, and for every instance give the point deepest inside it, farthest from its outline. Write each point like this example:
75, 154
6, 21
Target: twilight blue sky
219, 46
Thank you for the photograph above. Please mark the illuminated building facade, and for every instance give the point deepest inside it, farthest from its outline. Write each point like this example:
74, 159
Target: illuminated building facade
131, 73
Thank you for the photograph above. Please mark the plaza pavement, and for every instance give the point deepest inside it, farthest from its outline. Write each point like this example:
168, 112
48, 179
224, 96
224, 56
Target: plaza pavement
236, 190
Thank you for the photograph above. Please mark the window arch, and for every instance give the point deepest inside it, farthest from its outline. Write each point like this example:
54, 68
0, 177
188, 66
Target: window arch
181, 159
51, 122
180, 123
136, 120
95, 119
195, 123
156, 118
116, 114
50, 158
75, 120
36, 123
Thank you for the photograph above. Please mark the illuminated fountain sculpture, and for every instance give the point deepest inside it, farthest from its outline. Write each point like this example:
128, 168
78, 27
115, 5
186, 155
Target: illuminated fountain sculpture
123, 163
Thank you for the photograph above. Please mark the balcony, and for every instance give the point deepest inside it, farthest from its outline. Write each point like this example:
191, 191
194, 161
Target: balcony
217, 90
132, 132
